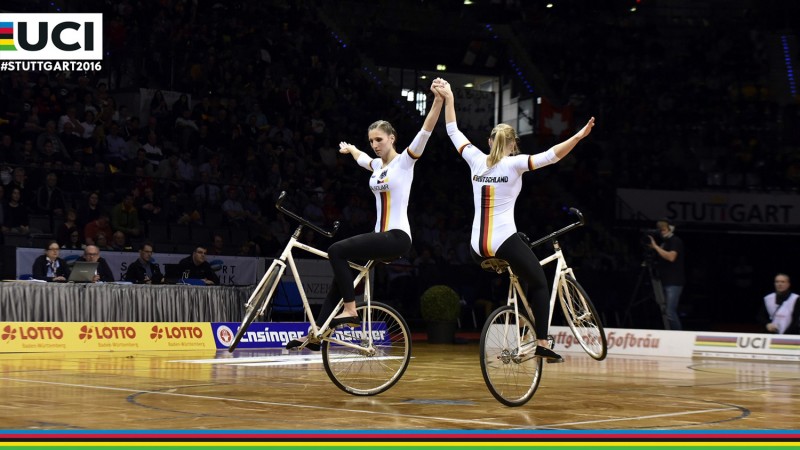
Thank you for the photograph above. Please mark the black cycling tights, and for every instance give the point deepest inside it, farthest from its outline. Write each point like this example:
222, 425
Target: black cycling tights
386, 245
526, 266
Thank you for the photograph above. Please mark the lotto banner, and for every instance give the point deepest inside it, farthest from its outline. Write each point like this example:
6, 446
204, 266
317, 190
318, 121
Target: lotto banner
104, 336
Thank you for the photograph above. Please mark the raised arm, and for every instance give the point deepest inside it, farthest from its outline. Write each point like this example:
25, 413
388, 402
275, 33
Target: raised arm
561, 150
345, 148
436, 108
449, 106
457, 137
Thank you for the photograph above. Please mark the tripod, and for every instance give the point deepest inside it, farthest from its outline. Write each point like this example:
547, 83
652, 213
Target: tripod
647, 274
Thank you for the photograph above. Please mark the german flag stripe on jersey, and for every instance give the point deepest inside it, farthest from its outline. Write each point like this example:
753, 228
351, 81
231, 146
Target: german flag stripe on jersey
386, 205
461, 149
530, 163
487, 208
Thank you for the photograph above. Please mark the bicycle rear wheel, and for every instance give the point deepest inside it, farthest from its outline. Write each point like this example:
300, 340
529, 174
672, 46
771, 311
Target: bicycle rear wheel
511, 373
253, 307
365, 372
582, 318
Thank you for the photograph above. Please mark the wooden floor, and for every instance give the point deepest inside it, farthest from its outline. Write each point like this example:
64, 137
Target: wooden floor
442, 389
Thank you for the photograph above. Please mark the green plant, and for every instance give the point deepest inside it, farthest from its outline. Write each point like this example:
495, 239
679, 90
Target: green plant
440, 304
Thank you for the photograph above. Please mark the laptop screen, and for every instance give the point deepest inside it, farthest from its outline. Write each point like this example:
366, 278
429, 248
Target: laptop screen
82, 272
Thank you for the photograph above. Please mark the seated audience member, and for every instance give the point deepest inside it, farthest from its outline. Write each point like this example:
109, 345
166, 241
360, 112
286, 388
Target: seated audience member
102, 242
49, 267
15, 215
67, 229
217, 245
103, 273
143, 271
779, 312
97, 227
195, 266
74, 242
119, 243
125, 217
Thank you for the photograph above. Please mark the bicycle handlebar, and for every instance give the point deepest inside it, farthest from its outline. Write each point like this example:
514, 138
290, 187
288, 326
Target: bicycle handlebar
279, 205
581, 222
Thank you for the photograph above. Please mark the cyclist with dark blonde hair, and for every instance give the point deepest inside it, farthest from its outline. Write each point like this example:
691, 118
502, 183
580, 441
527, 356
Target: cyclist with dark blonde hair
496, 183
392, 174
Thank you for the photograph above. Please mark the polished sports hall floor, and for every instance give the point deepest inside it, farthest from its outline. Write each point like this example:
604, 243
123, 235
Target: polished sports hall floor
442, 389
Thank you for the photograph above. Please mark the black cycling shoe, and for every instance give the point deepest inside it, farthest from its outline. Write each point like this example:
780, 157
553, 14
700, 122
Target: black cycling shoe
294, 343
339, 321
549, 355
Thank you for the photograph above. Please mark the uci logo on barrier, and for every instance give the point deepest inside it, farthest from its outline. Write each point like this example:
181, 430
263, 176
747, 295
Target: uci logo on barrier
60, 37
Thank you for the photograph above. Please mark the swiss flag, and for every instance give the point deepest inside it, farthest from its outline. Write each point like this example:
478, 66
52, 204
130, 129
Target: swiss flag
554, 121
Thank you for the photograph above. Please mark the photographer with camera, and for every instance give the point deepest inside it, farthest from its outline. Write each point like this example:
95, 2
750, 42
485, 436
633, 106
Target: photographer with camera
670, 268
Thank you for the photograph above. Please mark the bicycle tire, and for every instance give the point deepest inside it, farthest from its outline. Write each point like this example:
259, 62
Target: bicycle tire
359, 373
511, 377
251, 310
582, 318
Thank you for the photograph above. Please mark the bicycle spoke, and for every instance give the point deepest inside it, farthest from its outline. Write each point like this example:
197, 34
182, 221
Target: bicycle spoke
510, 371
381, 360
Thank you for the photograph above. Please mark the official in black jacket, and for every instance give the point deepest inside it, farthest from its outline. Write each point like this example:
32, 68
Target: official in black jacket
142, 271
196, 266
104, 273
49, 267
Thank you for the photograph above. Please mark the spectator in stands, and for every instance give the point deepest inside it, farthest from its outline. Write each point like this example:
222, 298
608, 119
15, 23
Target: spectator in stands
103, 273
75, 242
153, 150
89, 211
15, 215
19, 180
206, 193
233, 208
119, 242
149, 206
70, 129
143, 270
95, 227
50, 134
140, 162
116, 147
779, 311
49, 267
65, 230
101, 240
50, 197
125, 217
195, 266
217, 245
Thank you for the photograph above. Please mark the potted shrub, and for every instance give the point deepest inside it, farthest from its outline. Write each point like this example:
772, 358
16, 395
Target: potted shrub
440, 307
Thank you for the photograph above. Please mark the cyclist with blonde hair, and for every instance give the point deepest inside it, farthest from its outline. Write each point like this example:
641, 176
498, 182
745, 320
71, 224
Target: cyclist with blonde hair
496, 183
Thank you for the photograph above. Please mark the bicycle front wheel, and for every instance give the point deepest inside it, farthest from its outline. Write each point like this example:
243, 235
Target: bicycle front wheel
510, 370
253, 307
370, 369
582, 318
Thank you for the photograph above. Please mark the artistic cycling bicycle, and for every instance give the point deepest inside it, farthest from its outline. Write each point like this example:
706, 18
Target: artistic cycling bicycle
362, 360
508, 341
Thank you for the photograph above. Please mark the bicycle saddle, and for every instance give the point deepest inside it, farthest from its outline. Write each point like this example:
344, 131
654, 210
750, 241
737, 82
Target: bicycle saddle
494, 265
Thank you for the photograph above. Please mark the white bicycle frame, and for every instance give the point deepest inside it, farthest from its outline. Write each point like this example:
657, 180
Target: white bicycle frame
515, 291
317, 333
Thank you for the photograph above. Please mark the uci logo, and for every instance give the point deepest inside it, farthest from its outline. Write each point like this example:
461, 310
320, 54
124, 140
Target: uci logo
51, 37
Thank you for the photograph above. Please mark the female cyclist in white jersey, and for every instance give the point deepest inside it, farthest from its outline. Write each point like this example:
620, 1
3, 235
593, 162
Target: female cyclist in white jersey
392, 174
496, 183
